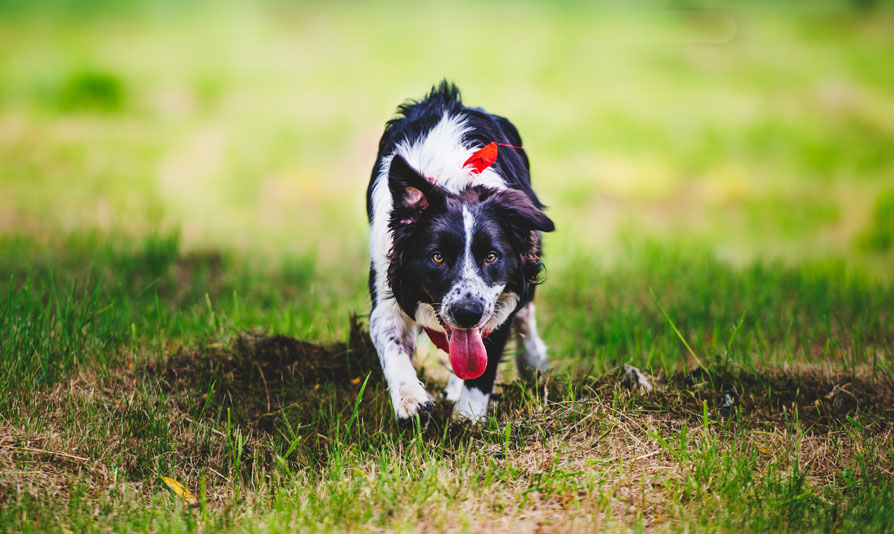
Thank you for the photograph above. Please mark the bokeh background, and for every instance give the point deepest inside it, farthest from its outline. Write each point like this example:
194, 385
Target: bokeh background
183, 181
667, 138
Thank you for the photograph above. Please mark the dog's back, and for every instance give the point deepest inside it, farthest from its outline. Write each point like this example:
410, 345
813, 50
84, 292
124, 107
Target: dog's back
416, 119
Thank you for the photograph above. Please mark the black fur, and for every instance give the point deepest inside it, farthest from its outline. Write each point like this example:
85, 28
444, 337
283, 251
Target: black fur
507, 223
416, 118
426, 219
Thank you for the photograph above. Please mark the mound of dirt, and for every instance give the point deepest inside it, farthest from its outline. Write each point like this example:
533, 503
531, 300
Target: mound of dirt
259, 375
819, 399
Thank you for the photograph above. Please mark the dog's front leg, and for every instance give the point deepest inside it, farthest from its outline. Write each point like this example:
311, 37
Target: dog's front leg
394, 336
474, 396
531, 355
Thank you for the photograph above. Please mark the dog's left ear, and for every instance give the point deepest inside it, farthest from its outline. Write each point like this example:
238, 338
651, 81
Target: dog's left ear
412, 194
514, 207
519, 216
524, 220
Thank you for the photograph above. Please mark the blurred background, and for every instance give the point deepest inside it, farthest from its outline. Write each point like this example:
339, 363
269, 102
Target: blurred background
738, 132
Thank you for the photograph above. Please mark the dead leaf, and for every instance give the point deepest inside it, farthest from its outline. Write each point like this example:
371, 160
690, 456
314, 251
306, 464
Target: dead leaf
181, 491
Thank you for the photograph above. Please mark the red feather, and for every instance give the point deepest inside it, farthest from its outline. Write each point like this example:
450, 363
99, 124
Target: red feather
482, 159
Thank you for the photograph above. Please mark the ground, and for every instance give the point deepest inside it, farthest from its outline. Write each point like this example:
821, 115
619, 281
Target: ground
183, 235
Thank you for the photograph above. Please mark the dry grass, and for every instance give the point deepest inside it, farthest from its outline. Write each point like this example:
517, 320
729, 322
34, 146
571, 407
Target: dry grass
566, 455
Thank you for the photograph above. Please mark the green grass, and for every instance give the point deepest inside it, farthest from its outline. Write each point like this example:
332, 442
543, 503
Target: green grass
183, 254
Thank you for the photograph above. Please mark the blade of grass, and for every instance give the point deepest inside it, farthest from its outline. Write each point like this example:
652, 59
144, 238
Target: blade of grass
674, 327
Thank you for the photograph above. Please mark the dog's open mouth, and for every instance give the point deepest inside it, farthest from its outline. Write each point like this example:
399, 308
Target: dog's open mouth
468, 357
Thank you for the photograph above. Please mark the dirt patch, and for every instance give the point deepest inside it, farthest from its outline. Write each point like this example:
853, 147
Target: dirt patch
230, 411
259, 374
815, 398
179, 416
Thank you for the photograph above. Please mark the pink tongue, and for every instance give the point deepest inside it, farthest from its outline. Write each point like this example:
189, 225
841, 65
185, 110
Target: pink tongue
467, 354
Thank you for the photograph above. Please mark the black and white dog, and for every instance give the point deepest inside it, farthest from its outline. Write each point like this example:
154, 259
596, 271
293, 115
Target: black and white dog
454, 248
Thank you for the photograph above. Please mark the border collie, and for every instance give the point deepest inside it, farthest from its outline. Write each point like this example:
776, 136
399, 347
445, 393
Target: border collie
454, 249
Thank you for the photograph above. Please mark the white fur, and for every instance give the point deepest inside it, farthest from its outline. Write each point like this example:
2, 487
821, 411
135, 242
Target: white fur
502, 308
394, 336
470, 284
427, 316
454, 388
531, 354
440, 155
468, 225
472, 404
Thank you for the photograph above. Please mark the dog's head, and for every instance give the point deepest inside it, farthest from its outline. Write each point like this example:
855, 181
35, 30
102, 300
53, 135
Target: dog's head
463, 262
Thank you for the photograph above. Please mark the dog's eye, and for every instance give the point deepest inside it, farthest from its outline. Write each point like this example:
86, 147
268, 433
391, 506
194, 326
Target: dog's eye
437, 257
491, 257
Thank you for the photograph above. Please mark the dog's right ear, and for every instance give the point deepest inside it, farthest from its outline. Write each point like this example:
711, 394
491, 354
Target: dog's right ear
411, 193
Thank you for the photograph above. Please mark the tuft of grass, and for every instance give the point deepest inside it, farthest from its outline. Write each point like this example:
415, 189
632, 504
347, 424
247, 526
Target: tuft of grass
756, 314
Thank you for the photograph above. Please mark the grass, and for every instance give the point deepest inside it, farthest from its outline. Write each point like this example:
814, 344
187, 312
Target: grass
182, 251
138, 383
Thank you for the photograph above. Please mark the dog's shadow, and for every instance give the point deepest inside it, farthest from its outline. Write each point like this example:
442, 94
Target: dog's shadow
275, 385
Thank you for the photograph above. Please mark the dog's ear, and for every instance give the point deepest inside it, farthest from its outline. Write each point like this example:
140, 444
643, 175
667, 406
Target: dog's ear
524, 221
412, 194
519, 212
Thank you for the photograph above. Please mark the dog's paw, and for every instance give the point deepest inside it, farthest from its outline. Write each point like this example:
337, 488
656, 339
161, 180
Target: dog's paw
411, 400
532, 359
471, 405
454, 388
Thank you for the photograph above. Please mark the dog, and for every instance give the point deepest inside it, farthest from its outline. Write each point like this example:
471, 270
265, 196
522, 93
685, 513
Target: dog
455, 244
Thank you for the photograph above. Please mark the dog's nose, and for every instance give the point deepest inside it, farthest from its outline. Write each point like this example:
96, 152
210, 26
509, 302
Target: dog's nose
469, 315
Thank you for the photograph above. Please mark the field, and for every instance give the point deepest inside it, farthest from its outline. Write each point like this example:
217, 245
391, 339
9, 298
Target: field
183, 257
